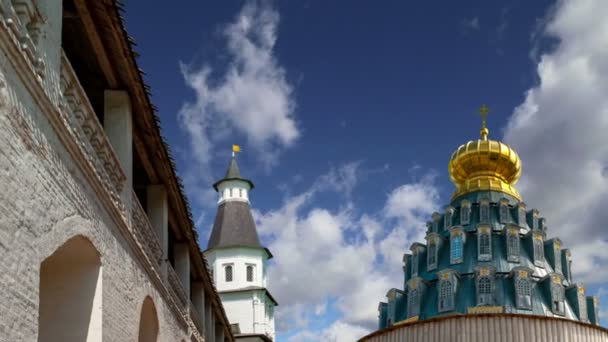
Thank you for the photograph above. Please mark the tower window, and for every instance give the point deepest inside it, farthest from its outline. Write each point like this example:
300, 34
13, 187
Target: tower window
484, 244
513, 245
413, 303
539, 252
582, 305
484, 212
465, 213
557, 298
456, 247
249, 273
485, 291
503, 213
523, 293
557, 256
447, 219
521, 216
432, 256
415, 263
228, 273
446, 296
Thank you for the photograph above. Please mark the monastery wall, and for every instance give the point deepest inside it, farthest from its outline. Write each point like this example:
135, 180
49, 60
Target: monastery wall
45, 200
79, 259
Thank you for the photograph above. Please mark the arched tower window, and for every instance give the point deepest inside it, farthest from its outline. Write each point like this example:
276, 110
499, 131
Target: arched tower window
432, 256
582, 304
521, 215
436, 219
513, 244
557, 297
503, 212
485, 291
465, 212
413, 303
534, 219
228, 273
456, 246
484, 211
447, 218
539, 250
484, 244
523, 293
250, 273
415, 263
446, 296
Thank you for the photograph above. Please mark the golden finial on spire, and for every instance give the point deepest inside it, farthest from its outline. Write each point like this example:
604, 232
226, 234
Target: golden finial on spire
484, 110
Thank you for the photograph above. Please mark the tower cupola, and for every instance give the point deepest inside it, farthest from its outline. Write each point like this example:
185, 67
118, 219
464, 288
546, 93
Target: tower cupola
485, 165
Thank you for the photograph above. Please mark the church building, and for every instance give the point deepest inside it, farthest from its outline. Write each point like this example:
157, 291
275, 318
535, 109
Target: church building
489, 270
238, 260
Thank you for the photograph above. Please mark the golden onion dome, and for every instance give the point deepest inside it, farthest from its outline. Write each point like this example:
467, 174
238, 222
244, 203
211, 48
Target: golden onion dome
485, 165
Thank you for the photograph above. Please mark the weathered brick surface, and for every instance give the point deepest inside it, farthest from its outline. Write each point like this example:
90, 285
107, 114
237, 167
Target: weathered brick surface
44, 201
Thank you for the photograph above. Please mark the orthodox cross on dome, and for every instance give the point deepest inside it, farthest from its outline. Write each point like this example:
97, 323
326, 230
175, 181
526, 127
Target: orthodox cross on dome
484, 110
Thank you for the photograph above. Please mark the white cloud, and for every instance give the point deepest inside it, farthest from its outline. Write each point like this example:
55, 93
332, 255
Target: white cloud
470, 24
336, 258
338, 331
251, 97
560, 133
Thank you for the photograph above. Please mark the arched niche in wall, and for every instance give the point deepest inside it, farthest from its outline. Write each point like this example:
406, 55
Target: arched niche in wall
148, 322
70, 302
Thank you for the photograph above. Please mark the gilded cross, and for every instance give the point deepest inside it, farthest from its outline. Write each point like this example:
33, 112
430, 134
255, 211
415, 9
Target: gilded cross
484, 110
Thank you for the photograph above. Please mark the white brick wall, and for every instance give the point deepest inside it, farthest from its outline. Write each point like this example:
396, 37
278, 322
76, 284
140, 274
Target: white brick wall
46, 199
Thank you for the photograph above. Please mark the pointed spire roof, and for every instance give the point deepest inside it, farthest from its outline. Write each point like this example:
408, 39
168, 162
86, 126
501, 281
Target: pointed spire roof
234, 227
233, 173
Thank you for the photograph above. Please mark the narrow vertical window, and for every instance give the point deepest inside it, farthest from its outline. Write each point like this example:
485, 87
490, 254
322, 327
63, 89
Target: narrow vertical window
415, 264
557, 298
447, 219
446, 296
432, 256
485, 291
539, 251
503, 213
523, 293
249, 273
513, 245
582, 305
484, 244
456, 248
228, 273
465, 213
484, 212
241, 193
413, 305
557, 253
521, 216
535, 219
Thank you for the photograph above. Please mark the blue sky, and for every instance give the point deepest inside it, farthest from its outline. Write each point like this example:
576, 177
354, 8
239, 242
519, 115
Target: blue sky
348, 113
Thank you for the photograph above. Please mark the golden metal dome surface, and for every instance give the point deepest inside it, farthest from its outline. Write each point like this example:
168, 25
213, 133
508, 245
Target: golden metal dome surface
485, 165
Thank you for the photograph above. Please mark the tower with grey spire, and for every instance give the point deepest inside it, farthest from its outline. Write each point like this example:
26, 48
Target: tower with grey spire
238, 260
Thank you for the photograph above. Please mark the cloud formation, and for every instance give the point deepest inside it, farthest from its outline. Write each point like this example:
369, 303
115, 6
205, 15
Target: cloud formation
560, 133
251, 97
339, 260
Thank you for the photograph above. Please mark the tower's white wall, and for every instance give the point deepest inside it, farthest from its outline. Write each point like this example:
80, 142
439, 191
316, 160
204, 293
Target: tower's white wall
252, 310
239, 258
